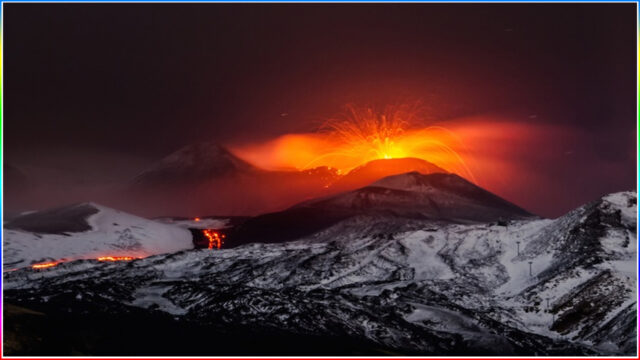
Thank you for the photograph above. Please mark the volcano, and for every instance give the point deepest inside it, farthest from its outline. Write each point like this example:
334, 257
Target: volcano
206, 178
438, 197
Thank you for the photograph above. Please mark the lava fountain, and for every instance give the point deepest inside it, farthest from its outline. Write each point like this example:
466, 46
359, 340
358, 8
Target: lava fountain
360, 135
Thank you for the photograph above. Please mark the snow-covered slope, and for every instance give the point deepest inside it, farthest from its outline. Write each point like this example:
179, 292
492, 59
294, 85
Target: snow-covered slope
436, 196
86, 231
440, 197
411, 286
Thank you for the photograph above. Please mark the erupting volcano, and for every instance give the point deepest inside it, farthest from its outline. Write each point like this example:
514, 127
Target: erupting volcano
361, 135
320, 180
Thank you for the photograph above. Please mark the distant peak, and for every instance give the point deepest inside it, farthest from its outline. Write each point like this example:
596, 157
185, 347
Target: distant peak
194, 162
199, 151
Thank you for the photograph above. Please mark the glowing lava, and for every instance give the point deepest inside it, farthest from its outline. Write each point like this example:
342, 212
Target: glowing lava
116, 258
51, 264
214, 237
359, 136
44, 265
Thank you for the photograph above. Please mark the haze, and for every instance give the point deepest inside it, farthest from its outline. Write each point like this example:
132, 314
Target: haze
543, 99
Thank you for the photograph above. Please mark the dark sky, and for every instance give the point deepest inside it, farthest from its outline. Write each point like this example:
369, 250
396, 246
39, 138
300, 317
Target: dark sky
141, 80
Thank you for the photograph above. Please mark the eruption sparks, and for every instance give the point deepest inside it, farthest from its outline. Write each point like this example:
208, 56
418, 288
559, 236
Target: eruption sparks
369, 135
361, 135
214, 237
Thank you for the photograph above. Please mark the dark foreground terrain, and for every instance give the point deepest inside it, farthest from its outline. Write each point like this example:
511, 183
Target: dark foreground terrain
373, 283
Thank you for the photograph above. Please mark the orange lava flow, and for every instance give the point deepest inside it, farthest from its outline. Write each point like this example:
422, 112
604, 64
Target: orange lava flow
361, 135
116, 258
215, 238
51, 264
44, 265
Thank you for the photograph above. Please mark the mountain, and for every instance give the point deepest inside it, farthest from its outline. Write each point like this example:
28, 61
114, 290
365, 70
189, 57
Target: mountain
365, 285
86, 231
376, 169
439, 197
193, 164
206, 178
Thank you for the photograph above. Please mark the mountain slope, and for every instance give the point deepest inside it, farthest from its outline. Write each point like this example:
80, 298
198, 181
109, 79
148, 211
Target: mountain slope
439, 197
376, 169
86, 231
435, 196
193, 164
415, 287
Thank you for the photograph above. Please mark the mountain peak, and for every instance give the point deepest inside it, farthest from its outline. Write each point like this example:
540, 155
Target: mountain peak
415, 181
376, 169
194, 162
438, 196
205, 154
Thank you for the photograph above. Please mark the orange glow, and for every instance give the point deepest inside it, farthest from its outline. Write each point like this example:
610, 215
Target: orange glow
116, 258
196, 219
362, 135
51, 264
44, 265
215, 238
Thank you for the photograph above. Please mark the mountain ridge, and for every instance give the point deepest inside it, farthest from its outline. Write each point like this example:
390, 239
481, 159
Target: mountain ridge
425, 288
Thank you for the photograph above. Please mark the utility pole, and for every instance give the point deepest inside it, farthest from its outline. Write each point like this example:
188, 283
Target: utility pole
530, 271
518, 243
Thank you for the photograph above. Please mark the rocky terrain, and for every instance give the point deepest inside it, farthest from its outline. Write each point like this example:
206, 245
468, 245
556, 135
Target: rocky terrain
371, 283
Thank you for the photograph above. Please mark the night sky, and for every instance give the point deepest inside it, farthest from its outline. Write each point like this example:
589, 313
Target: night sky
103, 89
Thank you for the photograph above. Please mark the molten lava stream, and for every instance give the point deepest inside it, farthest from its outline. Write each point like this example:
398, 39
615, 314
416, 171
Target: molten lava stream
44, 265
51, 264
117, 258
214, 237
